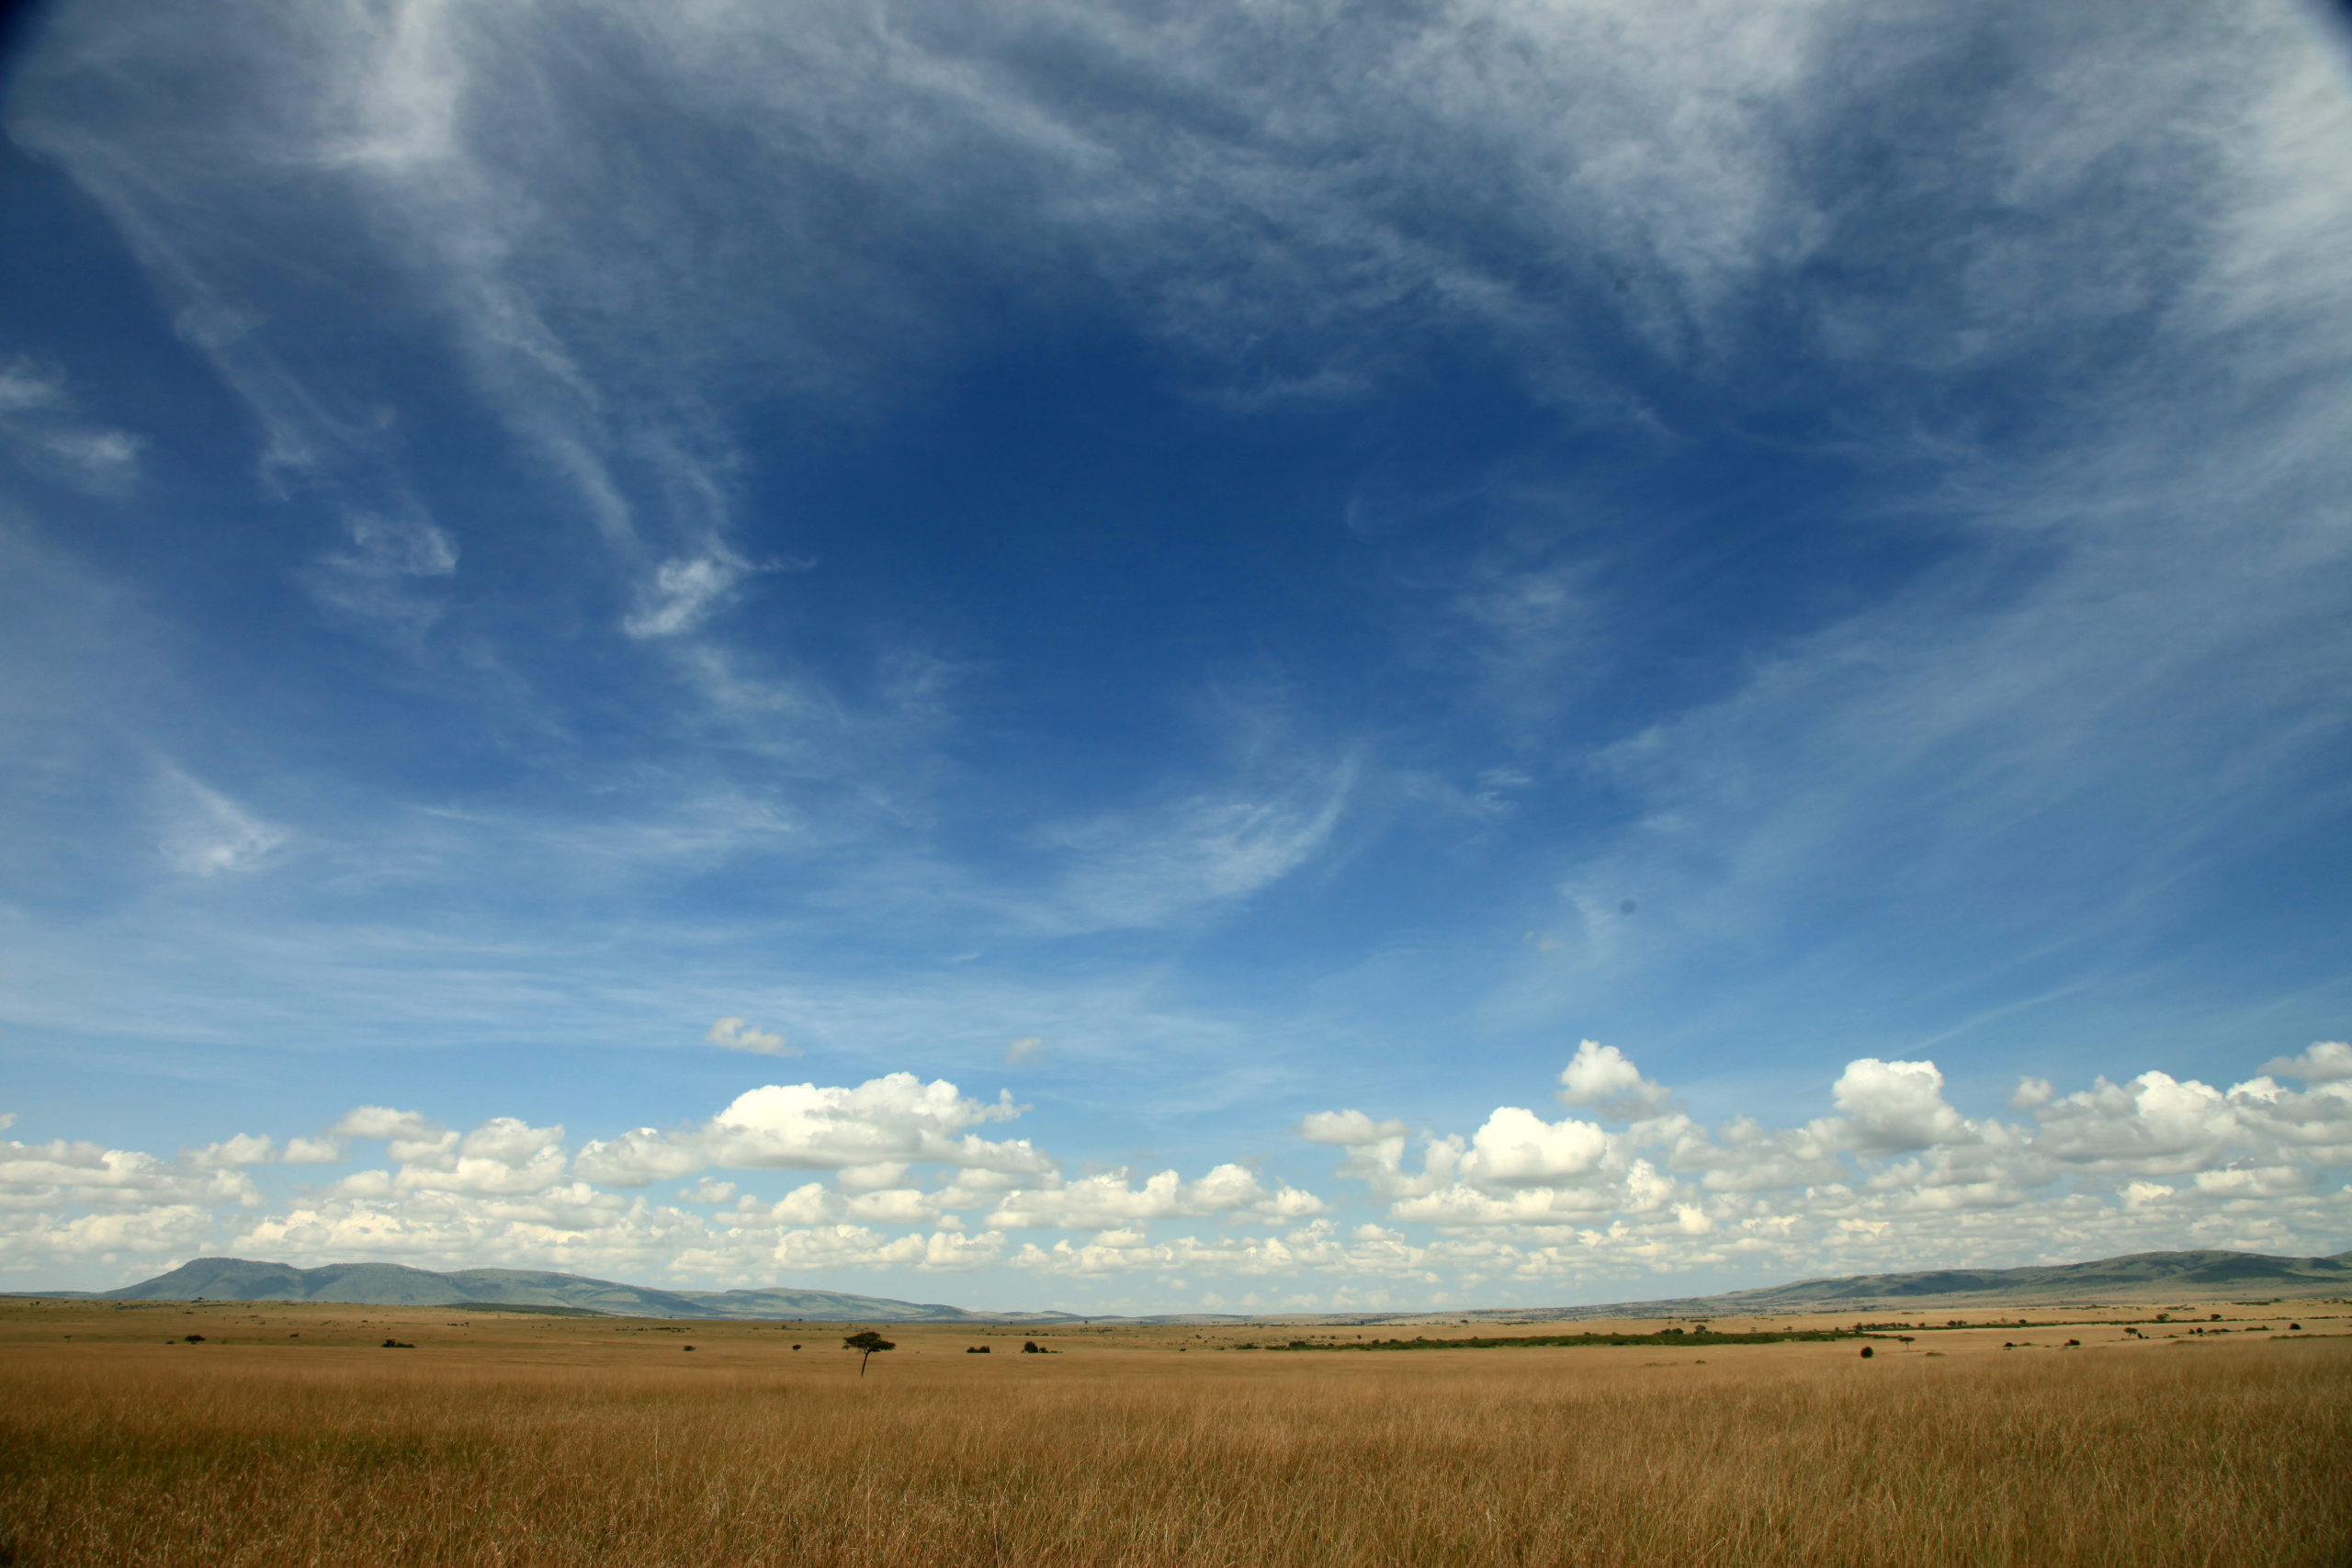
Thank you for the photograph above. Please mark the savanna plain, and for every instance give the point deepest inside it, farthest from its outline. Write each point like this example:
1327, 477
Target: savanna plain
285, 1434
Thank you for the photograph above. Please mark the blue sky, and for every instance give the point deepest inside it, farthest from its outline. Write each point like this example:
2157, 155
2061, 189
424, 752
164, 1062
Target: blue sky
1042, 655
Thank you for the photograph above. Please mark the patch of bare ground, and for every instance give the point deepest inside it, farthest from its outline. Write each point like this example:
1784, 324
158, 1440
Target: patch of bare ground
574, 1452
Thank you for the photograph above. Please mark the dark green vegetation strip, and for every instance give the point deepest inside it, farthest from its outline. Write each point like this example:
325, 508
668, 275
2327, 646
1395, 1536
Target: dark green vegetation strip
1669, 1338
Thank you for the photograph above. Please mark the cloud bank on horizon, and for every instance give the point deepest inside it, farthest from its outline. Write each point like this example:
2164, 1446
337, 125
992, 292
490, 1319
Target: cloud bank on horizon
1520, 1205
1242, 575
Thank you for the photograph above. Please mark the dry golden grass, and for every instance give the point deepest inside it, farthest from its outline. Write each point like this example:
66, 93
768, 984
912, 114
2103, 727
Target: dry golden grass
539, 1442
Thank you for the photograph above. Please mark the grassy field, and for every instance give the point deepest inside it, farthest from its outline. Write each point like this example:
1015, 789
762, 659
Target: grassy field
293, 1436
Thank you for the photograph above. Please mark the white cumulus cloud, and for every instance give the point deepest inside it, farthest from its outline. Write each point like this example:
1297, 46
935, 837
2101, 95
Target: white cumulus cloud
1898, 1177
1601, 1079
2327, 1061
1891, 1107
1109, 1199
897, 1118
1350, 1128
737, 1034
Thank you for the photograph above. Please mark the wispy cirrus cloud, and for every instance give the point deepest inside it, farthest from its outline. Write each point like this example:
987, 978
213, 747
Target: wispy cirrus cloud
203, 833
684, 590
41, 425
385, 572
1149, 868
1859, 486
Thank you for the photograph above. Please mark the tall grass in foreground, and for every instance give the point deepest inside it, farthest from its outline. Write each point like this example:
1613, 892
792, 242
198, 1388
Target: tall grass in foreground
2217, 1455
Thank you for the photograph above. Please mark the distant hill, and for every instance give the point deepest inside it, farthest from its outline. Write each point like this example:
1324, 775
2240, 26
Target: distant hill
2157, 1273
392, 1284
2141, 1277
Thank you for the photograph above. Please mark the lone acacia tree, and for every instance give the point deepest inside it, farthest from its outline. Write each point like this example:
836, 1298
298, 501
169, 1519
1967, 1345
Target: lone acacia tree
866, 1341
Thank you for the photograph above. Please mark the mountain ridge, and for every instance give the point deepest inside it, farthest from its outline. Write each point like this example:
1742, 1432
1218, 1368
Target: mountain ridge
397, 1284
2206, 1274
